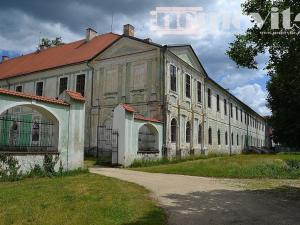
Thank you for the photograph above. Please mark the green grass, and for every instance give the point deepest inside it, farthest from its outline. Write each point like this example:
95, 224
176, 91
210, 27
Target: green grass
238, 166
162, 161
76, 200
89, 162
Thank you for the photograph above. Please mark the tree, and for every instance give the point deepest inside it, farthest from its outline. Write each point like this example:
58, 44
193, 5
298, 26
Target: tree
283, 47
47, 43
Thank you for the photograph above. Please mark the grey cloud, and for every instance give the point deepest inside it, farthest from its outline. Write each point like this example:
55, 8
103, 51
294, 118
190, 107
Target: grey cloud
21, 22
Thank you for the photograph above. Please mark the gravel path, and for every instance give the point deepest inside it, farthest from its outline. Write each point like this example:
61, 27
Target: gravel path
192, 200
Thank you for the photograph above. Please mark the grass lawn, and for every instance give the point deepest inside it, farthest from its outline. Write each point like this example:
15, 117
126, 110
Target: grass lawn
238, 166
75, 200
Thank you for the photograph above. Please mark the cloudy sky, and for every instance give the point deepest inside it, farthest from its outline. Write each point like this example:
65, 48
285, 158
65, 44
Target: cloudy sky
23, 23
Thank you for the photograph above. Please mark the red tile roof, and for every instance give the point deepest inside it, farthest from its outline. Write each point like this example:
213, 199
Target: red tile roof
128, 108
140, 117
66, 54
75, 95
33, 97
137, 116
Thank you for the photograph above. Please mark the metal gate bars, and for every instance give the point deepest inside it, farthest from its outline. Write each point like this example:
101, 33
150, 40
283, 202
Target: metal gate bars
107, 146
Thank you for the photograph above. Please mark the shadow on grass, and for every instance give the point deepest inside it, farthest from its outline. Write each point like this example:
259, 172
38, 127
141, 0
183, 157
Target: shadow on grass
269, 206
154, 217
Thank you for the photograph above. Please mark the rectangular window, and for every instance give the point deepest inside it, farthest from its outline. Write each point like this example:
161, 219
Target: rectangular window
63, 84
218, 103
80, 84
187, 86
39, 88
225, 106
173, 77
199, 92
208, 98
19, 88
241, 115
231, 110
236, 113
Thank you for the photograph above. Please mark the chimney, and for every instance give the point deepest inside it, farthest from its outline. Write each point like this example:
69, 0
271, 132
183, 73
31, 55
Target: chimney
128, 30
90, 34
5, 58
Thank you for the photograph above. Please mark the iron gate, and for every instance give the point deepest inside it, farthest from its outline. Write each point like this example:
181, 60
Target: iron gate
23, 134
107, 146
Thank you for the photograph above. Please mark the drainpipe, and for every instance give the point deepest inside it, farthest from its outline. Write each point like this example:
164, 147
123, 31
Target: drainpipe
193, 126
164, 97
92, 96
203, 115
178, 142
230, 135
68, 137
8, 83
247, 123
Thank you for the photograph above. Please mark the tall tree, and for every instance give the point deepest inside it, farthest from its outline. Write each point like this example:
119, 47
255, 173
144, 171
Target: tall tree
282, 44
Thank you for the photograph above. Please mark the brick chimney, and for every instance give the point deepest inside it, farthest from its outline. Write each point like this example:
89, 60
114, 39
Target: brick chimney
90, 34
5, 58
128, 30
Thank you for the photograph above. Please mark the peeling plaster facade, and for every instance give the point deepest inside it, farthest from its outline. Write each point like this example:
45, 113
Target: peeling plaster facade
138, 73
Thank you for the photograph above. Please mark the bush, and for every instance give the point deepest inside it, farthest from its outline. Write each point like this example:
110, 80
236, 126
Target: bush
9, 168
49, 165
293, 164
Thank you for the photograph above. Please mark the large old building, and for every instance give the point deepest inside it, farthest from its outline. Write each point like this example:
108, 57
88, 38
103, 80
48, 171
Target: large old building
165, 82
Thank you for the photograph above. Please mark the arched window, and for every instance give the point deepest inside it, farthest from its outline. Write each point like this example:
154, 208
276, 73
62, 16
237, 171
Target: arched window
173, 130
188, 132
14, 134
237, 139
209, 136
226, 138
35, 132
147, 139
219, 137
232, 143
199, 134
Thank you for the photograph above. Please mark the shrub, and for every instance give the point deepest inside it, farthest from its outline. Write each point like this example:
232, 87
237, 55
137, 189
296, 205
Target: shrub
9, 168
49, 165
293, 164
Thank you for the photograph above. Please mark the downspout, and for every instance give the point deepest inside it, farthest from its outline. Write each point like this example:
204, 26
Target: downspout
68, 137
164, 98
92, 97
192, 139
9, 84
203, 115
230, 114
247, 143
